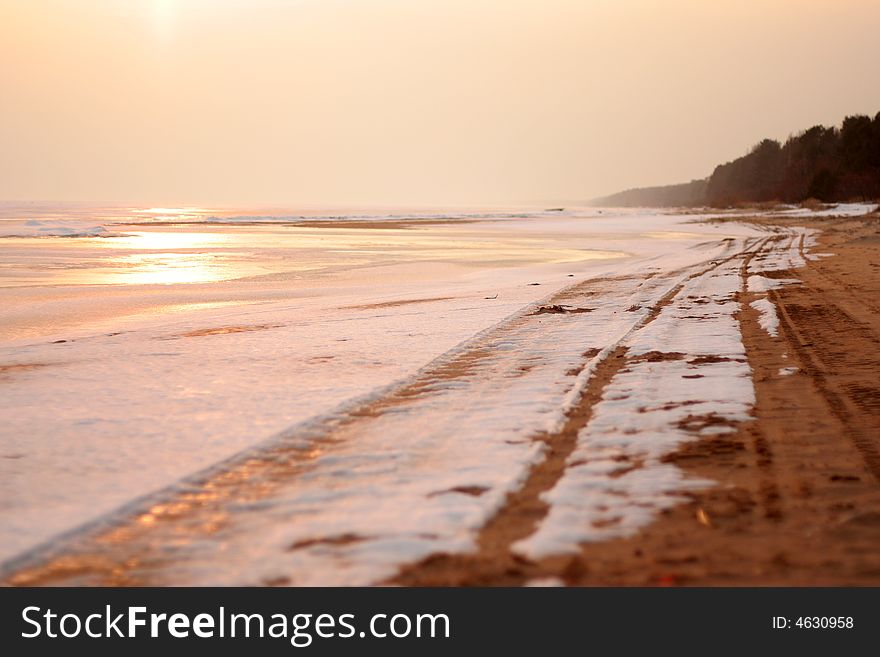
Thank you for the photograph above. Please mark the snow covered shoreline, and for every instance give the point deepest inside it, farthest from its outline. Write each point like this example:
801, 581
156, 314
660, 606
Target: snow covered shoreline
136, 410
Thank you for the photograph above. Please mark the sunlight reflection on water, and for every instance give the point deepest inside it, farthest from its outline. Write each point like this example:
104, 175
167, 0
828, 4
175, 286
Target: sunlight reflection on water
187, 254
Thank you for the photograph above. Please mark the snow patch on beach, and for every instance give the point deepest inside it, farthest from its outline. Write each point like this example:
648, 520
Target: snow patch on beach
833, 210
763, 284
686, 377
768, 319
786, 256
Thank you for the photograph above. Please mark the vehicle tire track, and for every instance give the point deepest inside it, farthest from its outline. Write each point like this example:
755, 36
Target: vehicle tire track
809, 333
829, 525
768, 491
494, 563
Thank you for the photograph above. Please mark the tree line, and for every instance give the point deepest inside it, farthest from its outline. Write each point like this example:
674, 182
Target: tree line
828, 164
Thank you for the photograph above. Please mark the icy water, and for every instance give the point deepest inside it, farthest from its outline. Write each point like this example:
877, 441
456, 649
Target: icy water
140, 346
50, 258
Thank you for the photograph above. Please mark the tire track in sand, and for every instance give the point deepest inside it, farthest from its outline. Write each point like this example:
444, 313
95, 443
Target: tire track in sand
494, 563
812, 330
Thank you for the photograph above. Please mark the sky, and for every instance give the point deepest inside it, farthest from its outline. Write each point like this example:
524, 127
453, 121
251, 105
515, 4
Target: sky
411, 102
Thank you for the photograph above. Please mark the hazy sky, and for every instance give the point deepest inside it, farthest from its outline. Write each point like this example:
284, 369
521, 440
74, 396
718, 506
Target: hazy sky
411, 101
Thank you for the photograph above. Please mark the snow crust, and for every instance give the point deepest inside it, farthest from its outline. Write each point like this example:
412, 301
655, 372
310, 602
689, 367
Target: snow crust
615, 481
769, 320
763, 284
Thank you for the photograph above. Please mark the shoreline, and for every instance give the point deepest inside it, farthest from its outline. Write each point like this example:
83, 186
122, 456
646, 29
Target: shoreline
801, 471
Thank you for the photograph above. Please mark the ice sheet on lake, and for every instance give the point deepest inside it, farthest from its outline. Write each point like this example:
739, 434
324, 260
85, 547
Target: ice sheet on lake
41, 228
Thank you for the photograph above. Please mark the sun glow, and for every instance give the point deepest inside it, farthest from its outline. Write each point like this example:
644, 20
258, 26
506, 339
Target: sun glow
163, 15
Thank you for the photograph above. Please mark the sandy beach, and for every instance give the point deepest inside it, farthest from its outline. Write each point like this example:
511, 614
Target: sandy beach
797, 501
701, 410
